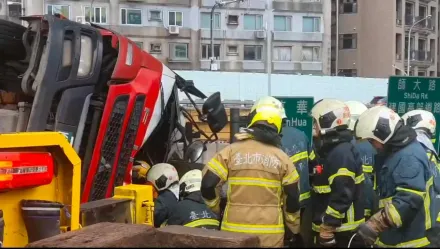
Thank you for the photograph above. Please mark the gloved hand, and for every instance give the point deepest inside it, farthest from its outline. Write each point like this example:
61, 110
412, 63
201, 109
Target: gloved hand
326, 236
369, 231
296, 241
140, 170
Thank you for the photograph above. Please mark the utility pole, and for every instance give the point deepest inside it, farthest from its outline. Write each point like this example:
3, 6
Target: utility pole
269, 46
217, 4
409, 40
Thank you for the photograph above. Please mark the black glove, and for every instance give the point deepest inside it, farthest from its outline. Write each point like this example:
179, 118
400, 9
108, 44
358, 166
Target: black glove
296, 241
433, 235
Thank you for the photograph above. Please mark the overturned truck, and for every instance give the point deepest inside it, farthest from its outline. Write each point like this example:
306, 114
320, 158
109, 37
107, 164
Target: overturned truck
113, 104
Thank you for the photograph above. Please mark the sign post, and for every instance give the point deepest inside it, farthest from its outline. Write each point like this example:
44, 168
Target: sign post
298, 113
415, 93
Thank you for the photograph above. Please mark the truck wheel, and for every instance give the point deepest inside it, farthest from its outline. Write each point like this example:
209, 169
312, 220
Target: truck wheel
11, 45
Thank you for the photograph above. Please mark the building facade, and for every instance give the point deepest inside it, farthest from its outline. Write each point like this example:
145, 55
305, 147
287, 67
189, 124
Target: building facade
177, 32
370, 37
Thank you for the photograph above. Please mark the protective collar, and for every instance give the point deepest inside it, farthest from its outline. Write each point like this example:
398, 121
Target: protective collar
175, 190
424, 139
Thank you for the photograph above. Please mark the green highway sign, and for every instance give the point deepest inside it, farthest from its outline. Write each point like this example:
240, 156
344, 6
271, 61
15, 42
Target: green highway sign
298, 113
415, 93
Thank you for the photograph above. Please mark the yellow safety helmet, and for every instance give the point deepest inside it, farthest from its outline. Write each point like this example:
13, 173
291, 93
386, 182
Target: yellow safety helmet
267, 109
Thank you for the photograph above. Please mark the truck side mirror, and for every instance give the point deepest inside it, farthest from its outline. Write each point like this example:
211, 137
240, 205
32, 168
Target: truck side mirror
215, 113
194, 151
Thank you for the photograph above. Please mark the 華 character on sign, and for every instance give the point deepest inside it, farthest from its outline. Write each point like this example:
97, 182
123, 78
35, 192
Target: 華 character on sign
301, 107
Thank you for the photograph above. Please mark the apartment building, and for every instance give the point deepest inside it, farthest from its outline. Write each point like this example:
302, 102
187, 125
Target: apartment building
370, 37
178, 31
10, 8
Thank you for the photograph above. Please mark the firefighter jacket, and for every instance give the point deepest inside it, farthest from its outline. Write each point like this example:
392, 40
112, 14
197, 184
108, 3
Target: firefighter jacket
297, 146
163, 205
193, 212
367, 154
433, 185
262, 185
337, 196
402, 183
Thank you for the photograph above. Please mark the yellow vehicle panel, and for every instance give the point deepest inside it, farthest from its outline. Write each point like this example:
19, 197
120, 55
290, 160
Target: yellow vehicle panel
64, 188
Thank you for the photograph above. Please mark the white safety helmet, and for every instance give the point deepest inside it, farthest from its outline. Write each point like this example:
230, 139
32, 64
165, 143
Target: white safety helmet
356, 109
330, 113
191, 181
378, 123
420, 119
162, 176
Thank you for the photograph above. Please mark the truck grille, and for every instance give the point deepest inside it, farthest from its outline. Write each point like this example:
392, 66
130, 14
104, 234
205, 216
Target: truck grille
129, 139
109, 148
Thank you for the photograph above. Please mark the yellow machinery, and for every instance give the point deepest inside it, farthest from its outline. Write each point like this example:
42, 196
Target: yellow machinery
27, 173
64, 186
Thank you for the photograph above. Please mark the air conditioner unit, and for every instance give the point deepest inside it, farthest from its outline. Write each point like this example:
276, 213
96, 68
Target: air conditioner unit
399, 22
398, 56
81, 19
260, 34
174, 30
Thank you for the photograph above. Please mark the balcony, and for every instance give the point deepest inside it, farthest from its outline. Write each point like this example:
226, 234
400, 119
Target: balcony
228, 34
256, 4
427, 1
421, 58
163, 2
425, 26
302, 6
297, 36
235, 66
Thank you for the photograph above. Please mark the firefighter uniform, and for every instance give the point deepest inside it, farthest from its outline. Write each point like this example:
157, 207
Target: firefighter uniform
165, 203
337, 197
297, 146
402, 187
193, 212
260, 177
367, 154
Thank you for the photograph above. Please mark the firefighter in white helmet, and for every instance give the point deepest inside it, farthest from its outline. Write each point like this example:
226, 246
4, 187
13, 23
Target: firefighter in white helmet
401, 220
191, 211
338, 179
424, 123
165, 179
367, 154
260, 177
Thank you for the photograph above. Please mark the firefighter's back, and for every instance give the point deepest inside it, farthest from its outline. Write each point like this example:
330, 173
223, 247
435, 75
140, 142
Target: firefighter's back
255, 173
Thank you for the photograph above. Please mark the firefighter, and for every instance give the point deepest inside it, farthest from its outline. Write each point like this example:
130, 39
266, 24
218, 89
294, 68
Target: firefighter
139, 172
297, 146
401, 220
337, 202
367, 154
423, 122
191, 211
260, 176
164, 178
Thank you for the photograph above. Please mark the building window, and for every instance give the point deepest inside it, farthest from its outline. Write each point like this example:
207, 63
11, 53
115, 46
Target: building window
253, 22
175, 18
206, 51
15, 9
253, 53
155, 48
58, 9
179, 51
131, 16
155, 15
205, 22
348, 72
348, 41
431, 73
347, 6
99, 15
311, 54
232, 50
139, 44
282, 53
311, 24
232, 19
421, 73
282, 23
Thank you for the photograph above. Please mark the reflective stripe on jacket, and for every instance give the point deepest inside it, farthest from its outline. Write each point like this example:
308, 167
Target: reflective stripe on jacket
337, 191
297, 146
260, 178
403, 180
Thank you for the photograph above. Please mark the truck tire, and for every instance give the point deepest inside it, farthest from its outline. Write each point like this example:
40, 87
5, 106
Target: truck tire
11, 44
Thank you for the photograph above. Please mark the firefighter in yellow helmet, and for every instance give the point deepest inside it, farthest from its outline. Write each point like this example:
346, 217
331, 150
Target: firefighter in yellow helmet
262, 181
